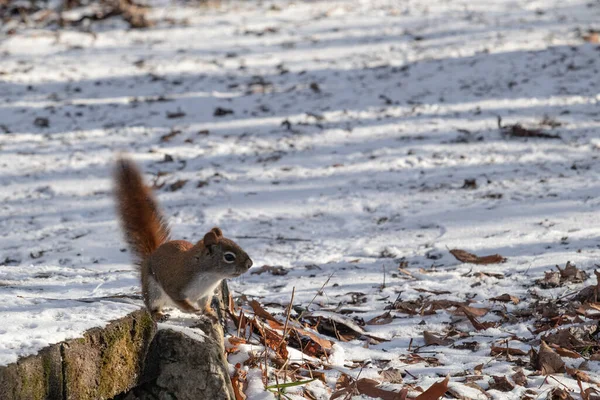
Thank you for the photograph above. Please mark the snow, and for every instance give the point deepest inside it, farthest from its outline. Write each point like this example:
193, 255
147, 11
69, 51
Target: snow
355, 125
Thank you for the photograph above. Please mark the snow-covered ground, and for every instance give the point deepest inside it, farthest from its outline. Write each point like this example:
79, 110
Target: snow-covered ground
338, 139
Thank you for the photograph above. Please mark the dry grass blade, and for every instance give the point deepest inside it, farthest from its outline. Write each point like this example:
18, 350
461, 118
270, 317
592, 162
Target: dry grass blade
466, 257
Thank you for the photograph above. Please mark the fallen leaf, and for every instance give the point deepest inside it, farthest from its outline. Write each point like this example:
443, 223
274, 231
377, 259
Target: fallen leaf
551, 279
435, 391
482, 274
592, 36
471, 258
369, 388
565, 352
558, 393
572, 274
480, 326
391, 375
547, 361
473, 311
506, 298
496, 350
170, 135
520, 378
436, 340
237, 381
382, 319
175, 186
343, 328
220, 112
175, 114
272, 340
501, 383
261, 312
517, 130
578, 374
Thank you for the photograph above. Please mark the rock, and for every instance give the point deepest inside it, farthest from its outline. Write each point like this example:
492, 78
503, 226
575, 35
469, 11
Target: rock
187, 363
101, 364
128, 360
184, 367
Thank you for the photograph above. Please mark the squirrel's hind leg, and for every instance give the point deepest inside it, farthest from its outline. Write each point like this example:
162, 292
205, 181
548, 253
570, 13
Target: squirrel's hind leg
155, 298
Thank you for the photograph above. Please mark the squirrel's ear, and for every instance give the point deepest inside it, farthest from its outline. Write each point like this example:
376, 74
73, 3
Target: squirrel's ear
217, 231
210, 239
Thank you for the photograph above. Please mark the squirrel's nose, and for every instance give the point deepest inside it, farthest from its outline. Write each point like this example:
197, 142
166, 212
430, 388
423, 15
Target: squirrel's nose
248, 263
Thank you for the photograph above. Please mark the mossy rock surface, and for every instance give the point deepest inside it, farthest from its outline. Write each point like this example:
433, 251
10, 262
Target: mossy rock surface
103, 363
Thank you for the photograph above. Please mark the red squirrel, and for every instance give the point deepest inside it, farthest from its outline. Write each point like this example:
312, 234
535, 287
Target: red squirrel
173, 272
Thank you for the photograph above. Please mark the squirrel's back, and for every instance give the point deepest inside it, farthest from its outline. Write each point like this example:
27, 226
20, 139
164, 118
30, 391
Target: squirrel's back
144, 226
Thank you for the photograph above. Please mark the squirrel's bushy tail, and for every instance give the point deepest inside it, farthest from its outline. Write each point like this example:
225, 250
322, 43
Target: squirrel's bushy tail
144, 226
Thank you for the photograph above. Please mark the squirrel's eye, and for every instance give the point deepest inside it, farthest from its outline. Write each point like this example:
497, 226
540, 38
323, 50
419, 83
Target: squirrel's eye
229, 257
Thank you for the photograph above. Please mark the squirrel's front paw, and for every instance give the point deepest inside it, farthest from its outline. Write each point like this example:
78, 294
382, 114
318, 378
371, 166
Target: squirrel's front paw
159, 316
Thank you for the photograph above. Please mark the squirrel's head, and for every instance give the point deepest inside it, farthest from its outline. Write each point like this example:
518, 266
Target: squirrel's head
222, 256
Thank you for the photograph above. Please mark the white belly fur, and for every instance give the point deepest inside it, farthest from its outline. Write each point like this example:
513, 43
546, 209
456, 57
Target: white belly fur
203, 285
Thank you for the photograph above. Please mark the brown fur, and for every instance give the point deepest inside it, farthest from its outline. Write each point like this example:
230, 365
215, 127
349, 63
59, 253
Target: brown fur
144, 226
176, 272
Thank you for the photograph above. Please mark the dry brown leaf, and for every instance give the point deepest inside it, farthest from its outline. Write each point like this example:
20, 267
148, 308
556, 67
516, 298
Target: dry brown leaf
237, 381
436, 340
507, 351
369, 387
501, 383
391, 375
259, 311
591, 37
310, 343
170, 135
480, 326
472, 311
272, 340
471, 258
572, 274
578, 374
547, 361
435, 391
588, 394
482, 274
573, 337
565, 352
551, 279
175, 186
558, 393
382, 319
506, 298
520, 378
341, 327
517, 130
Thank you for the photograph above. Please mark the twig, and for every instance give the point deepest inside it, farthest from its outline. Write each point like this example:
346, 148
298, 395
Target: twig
287, 317
316, 294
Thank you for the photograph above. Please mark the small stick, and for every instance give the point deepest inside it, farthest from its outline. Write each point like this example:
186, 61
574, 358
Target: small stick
316, 294
408, 373
287, 317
